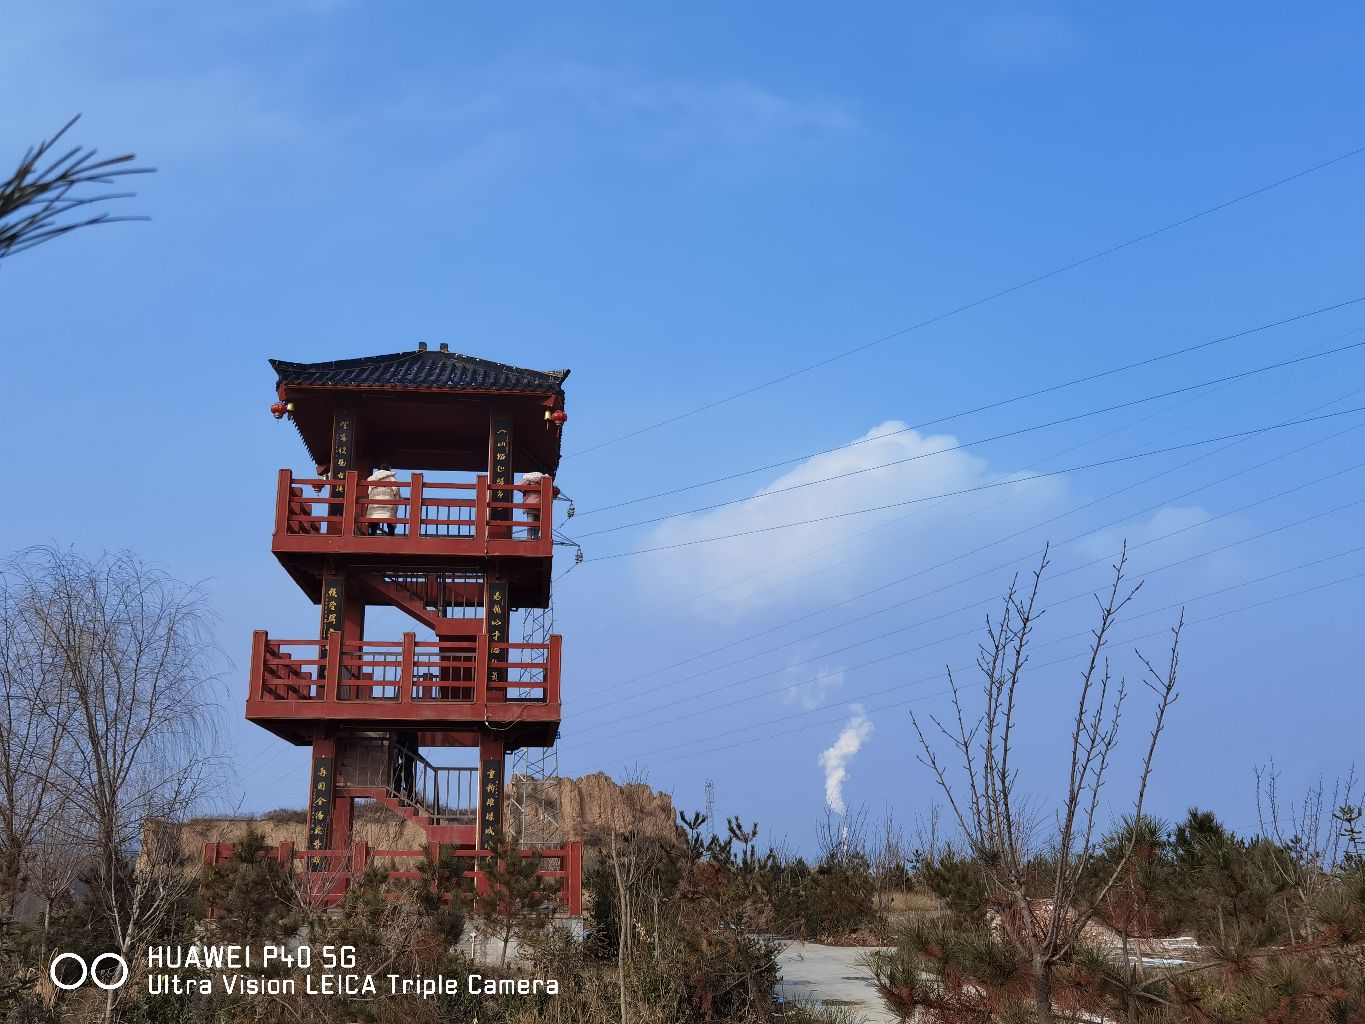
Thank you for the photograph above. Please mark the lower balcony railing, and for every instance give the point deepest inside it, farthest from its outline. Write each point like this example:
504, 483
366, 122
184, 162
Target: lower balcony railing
404, 672
322, 877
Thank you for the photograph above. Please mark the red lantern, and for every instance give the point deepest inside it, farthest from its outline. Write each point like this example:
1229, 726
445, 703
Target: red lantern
559, 417
278, 409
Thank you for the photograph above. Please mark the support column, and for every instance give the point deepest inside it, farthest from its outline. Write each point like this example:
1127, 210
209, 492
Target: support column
343, 612
341, 821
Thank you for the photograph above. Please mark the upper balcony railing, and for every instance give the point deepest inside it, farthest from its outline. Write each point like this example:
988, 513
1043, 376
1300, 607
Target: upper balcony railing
449, 680
413, 516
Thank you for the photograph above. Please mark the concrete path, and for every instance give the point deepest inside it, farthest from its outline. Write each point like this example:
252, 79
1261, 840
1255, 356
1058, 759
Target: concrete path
832, 975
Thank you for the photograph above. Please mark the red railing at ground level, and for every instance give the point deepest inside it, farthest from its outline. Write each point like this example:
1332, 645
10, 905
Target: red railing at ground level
404, 672
325, 876
413, 515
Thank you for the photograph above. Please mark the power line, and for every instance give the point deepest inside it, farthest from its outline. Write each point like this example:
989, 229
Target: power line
886, 707
615, 723
972, 490
973, 304
856, 535
962, 445
692, 696
1018, 533
1008, 563
996, 405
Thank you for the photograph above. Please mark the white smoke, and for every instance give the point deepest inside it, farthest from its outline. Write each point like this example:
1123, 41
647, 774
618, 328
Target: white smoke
835, 760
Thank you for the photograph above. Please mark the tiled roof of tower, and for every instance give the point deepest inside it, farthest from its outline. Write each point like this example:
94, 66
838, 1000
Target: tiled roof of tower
424, 369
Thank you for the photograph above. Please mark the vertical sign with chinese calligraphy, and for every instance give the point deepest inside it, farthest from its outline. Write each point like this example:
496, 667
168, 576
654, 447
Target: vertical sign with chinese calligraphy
343, 460
333, 594
496, 616
319, 811
500, 465
343, 443
333, 599
490, 803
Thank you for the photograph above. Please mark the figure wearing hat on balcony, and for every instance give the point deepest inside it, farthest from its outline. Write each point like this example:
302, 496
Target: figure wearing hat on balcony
532, 498
381, 490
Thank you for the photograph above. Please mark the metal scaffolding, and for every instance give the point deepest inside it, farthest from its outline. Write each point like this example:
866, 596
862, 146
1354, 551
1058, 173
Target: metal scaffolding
533, 795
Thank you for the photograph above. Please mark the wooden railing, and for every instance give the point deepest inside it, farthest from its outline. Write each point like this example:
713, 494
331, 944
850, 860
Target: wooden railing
395, 513
406, 671
444, 794
324, 876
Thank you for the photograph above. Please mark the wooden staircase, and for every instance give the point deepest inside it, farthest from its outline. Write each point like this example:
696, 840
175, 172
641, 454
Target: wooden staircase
433, 599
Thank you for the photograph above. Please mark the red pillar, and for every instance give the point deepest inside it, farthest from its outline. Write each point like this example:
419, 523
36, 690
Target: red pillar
573, 877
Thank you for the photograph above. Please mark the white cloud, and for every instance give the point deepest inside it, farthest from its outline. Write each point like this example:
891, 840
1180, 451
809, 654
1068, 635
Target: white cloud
530, 112
834, 761
1174, 528
1019, 37
809, 686
153, 102
837, 535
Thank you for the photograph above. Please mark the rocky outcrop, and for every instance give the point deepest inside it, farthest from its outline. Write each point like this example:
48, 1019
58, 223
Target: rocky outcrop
377, 827
593, 806
588, 809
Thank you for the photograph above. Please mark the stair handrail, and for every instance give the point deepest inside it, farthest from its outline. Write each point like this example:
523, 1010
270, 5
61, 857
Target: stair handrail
434, 808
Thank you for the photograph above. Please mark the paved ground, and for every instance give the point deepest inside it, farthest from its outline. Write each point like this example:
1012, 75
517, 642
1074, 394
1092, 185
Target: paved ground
831, 974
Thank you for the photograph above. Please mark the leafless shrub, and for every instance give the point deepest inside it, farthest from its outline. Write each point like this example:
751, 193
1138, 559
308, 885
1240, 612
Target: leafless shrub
1045, 893
112, 683
1307, 844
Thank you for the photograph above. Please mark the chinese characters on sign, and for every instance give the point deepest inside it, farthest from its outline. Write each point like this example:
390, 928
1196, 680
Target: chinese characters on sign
319, 811
490, 803
496, 615
343, 437
500, 469
333, 593
343, 456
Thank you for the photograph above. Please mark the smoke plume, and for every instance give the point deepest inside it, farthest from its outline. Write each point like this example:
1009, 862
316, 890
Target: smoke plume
835, 760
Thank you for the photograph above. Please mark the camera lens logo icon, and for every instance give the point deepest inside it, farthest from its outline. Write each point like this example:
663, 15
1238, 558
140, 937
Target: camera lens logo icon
91, 971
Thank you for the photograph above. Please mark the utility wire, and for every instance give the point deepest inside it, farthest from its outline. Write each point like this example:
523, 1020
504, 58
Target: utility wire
972, 490
962, 445
859, 534
1019, 533
900, 686
991, 571
973, 304
615, 723
983, 408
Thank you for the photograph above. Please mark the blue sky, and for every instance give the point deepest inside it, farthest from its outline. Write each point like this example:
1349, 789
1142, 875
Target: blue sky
679, 204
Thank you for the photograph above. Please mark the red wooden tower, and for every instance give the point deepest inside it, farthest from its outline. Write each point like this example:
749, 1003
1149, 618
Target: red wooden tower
433, 495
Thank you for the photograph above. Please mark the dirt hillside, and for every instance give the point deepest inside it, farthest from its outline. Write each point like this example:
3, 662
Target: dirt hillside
589, 808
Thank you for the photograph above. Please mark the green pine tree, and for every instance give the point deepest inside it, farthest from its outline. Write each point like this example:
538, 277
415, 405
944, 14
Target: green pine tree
514, 900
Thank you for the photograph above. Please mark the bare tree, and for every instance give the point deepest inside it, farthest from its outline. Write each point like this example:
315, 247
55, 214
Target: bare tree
129, 650
1306, 841
33, 716
39, 199
928, 843
890, 860
1047, 895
